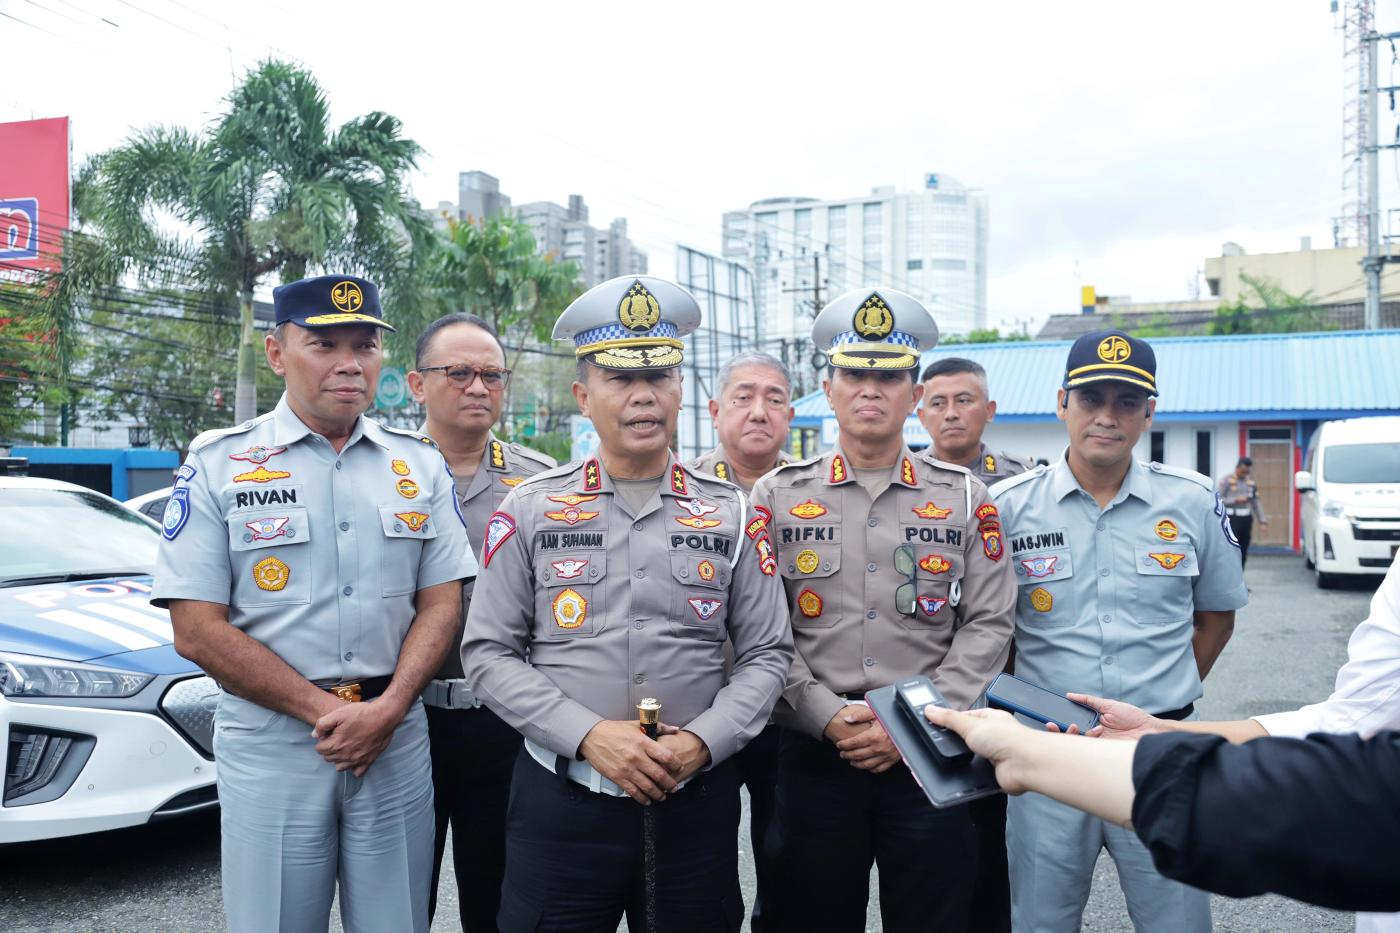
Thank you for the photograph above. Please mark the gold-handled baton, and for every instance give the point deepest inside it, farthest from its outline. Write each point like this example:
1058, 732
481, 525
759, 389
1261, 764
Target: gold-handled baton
649, 718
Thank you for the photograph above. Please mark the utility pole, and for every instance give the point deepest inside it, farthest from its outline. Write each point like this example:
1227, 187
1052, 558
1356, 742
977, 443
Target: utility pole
1373, 261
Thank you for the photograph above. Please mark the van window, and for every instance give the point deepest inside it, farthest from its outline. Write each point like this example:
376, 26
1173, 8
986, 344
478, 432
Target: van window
1362, 463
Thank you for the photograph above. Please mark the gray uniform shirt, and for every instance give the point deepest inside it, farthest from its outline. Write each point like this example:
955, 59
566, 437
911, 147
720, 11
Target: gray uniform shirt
503, 467
716, 463
613, 606
836, 555
1107, 597
317, 555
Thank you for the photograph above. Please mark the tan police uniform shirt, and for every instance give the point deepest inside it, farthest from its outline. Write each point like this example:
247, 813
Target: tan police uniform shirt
1240, 496
612, 607
992, 466
716, 463
503, 467
836, 555
318, 554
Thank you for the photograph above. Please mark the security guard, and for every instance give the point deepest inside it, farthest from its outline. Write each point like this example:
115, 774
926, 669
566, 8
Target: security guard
894, 566
313, 563
751, 413
956, 410
620, 578
1240, 495
1129, 582
460, 379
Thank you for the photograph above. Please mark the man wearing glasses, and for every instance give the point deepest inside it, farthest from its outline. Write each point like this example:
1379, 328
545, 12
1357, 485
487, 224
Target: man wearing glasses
461, 381
893, 567
1129, 581
751, 414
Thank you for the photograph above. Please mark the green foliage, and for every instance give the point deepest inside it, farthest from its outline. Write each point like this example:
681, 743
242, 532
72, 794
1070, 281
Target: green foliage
983, 335
29, 357
1272, 311
269, 188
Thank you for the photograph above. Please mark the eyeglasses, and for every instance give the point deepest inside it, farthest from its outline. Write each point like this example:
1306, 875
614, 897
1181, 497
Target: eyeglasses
493, 379
905, 593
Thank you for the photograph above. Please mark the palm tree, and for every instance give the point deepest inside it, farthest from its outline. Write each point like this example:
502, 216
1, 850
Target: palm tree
268, 188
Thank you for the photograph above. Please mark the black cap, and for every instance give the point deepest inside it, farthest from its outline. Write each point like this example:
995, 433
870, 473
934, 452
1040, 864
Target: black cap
1111, 356
329, 301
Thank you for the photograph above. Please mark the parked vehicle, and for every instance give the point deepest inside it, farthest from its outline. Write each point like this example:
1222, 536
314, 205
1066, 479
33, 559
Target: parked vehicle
1350, 486
105, 725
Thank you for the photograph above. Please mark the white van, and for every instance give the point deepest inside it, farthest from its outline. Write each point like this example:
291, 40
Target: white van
1350, 485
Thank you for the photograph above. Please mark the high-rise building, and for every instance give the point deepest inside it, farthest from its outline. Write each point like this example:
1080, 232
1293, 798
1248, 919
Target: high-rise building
930, 242
565, 232
479, 196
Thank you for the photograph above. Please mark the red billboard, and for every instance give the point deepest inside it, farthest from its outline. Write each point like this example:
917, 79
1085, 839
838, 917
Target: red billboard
34, 198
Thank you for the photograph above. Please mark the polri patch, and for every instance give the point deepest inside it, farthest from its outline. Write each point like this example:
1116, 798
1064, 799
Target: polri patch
498, 529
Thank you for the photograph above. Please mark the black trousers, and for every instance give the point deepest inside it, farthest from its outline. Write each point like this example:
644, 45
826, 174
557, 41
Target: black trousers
757, 767
473, 753
837, 821
574, 858
991, 892
1243, 527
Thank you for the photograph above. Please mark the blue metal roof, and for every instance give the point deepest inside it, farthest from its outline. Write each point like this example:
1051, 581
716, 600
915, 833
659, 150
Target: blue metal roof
1334, 374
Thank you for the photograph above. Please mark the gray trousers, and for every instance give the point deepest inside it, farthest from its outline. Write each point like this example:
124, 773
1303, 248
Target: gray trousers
1052, 850
293, 827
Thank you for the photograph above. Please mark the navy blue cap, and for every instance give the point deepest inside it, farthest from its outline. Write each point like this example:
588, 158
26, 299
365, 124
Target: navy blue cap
1111, 356
329, 301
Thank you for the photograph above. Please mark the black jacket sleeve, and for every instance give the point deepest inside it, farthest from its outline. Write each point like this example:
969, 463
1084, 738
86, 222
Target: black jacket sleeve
1317, 819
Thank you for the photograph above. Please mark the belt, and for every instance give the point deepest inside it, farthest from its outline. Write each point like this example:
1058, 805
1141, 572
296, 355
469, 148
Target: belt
450, 694
355, 691
1178, 714
580, 772
855, 695
1240, 513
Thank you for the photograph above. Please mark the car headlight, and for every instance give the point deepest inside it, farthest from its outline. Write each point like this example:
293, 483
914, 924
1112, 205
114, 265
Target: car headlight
1333, 509
23, 675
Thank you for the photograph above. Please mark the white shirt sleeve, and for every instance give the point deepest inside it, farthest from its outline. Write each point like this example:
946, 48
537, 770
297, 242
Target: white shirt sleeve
1367, 695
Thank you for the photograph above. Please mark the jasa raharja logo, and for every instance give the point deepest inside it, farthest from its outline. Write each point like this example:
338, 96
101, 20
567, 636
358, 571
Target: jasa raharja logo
19, 229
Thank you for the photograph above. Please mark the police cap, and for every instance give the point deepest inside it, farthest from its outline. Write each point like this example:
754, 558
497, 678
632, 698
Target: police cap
878, 328
633, 322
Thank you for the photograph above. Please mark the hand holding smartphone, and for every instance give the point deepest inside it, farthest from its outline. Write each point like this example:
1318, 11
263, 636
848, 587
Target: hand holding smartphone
1015, 695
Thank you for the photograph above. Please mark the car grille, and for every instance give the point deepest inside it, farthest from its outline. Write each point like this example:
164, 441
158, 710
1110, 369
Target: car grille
190, 705
1371, 533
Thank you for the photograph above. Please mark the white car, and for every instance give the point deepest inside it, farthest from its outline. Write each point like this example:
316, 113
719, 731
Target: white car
151, 504
1350, 486
106, 725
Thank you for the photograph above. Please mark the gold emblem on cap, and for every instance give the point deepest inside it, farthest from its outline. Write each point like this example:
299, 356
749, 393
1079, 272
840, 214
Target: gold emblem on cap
347, 297
639, 310
873, 319
1114, 349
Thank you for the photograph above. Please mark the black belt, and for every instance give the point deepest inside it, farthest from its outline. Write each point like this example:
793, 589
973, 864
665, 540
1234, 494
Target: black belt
1178, 714
356, 691
853, 695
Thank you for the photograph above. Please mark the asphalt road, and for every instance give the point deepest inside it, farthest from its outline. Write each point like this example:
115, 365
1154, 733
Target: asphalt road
1287, 646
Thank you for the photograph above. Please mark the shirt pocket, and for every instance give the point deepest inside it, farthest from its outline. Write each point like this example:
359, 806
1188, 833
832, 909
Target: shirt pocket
814, 593
567, 587
405, 529
1166, 578
272, 550
1046, 596
938, 576
700, 607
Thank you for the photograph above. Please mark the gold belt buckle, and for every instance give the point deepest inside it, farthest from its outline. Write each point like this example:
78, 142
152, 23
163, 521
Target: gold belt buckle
350, 693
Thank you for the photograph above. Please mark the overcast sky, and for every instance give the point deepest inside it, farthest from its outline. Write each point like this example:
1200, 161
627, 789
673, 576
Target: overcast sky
1120, 143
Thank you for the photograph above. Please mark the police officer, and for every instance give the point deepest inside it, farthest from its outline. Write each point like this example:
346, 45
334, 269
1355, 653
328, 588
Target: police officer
1240, 494
751, 413
956, 410
313, 563
894, 566
460, 379
1129, 582
621, 577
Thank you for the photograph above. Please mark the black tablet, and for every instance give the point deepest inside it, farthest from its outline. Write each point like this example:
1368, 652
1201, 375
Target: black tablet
945, 785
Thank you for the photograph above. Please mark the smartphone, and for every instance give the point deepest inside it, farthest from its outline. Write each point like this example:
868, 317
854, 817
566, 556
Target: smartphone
913, 695
1015, 695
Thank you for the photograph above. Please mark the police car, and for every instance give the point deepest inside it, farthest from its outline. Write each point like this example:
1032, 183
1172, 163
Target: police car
105, 725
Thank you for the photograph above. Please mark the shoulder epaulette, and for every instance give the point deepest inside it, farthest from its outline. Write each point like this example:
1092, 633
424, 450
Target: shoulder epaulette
1011, 482
1192, 475
944, 464
205, 438
558, 472
529, 453
795, 463
407, 432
